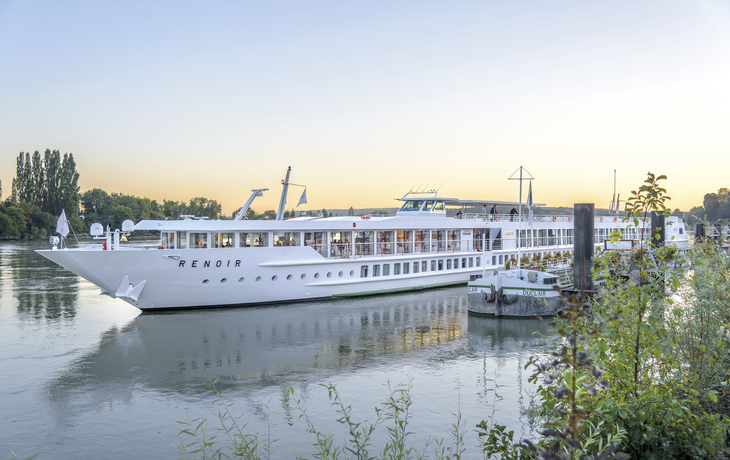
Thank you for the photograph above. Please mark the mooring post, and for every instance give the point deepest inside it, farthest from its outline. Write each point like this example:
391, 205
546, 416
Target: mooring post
657, 228
583, 246
699, 232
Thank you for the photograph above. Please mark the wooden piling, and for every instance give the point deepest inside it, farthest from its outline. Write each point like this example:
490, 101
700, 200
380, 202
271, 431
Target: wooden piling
583, 253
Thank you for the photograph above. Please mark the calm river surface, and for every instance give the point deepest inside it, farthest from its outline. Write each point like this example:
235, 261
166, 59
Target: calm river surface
84, 376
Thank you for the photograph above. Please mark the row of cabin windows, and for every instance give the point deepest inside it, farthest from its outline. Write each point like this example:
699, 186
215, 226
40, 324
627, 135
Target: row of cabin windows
405, 268
339, 243
546, 237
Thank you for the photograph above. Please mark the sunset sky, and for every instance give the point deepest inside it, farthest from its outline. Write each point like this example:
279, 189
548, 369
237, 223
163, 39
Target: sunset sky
365, 100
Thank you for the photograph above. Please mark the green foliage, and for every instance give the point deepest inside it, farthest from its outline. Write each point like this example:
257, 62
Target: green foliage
351, 211
394, 415
646, 370
51, 183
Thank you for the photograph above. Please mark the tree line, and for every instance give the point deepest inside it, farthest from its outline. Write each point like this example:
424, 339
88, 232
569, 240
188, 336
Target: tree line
715, 208
46, 184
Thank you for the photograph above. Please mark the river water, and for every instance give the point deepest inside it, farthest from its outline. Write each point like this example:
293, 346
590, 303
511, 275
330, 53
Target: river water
84, 376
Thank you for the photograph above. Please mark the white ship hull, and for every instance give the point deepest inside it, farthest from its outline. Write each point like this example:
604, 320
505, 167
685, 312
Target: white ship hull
257, 262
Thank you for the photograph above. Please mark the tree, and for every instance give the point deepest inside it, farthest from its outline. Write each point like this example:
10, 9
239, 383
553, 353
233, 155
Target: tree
203, 207
96, 201
351, 211
52, 166
68, 185
712, 206
120, 213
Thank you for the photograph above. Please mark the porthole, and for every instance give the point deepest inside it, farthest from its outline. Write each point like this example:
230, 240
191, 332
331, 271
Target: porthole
352, 272
316, 276
340, 274
288, 277
329, 274
241, 280
258, 279
224, 280
304, 275
273, 278
205, 282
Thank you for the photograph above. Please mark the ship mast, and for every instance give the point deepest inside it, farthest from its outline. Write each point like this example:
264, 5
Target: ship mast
282, 202
519, 231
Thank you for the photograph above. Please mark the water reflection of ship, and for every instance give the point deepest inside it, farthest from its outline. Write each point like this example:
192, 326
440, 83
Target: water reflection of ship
510, 335
506, 339
266, 345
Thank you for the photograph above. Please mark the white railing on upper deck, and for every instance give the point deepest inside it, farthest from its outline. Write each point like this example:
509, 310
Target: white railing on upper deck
514, 218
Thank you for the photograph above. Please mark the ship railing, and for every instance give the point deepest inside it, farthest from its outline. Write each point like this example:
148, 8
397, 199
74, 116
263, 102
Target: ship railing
404, 248
514, 217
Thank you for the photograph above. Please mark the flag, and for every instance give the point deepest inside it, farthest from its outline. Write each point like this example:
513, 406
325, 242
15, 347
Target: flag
62, 224
303, 199
529, 201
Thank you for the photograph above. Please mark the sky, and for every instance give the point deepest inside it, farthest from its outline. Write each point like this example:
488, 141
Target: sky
368, 100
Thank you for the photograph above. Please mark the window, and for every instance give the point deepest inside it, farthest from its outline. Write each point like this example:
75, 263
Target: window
316, 241
439, 206
168, 240
182, 240
501, 259
386, 269
396, 269
433, 265
441, 264
448, 264
253, 239
406, 268
200, 240
287, 239
364, 243
524, 242
471, 262
376, 270
438, 240
463, 262
223, 240
403, 242
413, 205
552, 237
494, 261
363, 271
479, 261
424, 266
340, 244
385, 243
454, 240
415, 267
421, 241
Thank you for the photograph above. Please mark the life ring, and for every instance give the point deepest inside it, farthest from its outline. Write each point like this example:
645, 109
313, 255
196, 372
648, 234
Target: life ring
555, 219
365, 217
615, 219
570, 218
601, 218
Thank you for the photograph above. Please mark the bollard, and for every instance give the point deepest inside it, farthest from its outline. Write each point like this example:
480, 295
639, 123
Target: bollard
699, 232
583, 246
657, 228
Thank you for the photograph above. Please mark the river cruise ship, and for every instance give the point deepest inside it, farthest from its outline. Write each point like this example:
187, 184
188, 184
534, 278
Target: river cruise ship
201, 263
